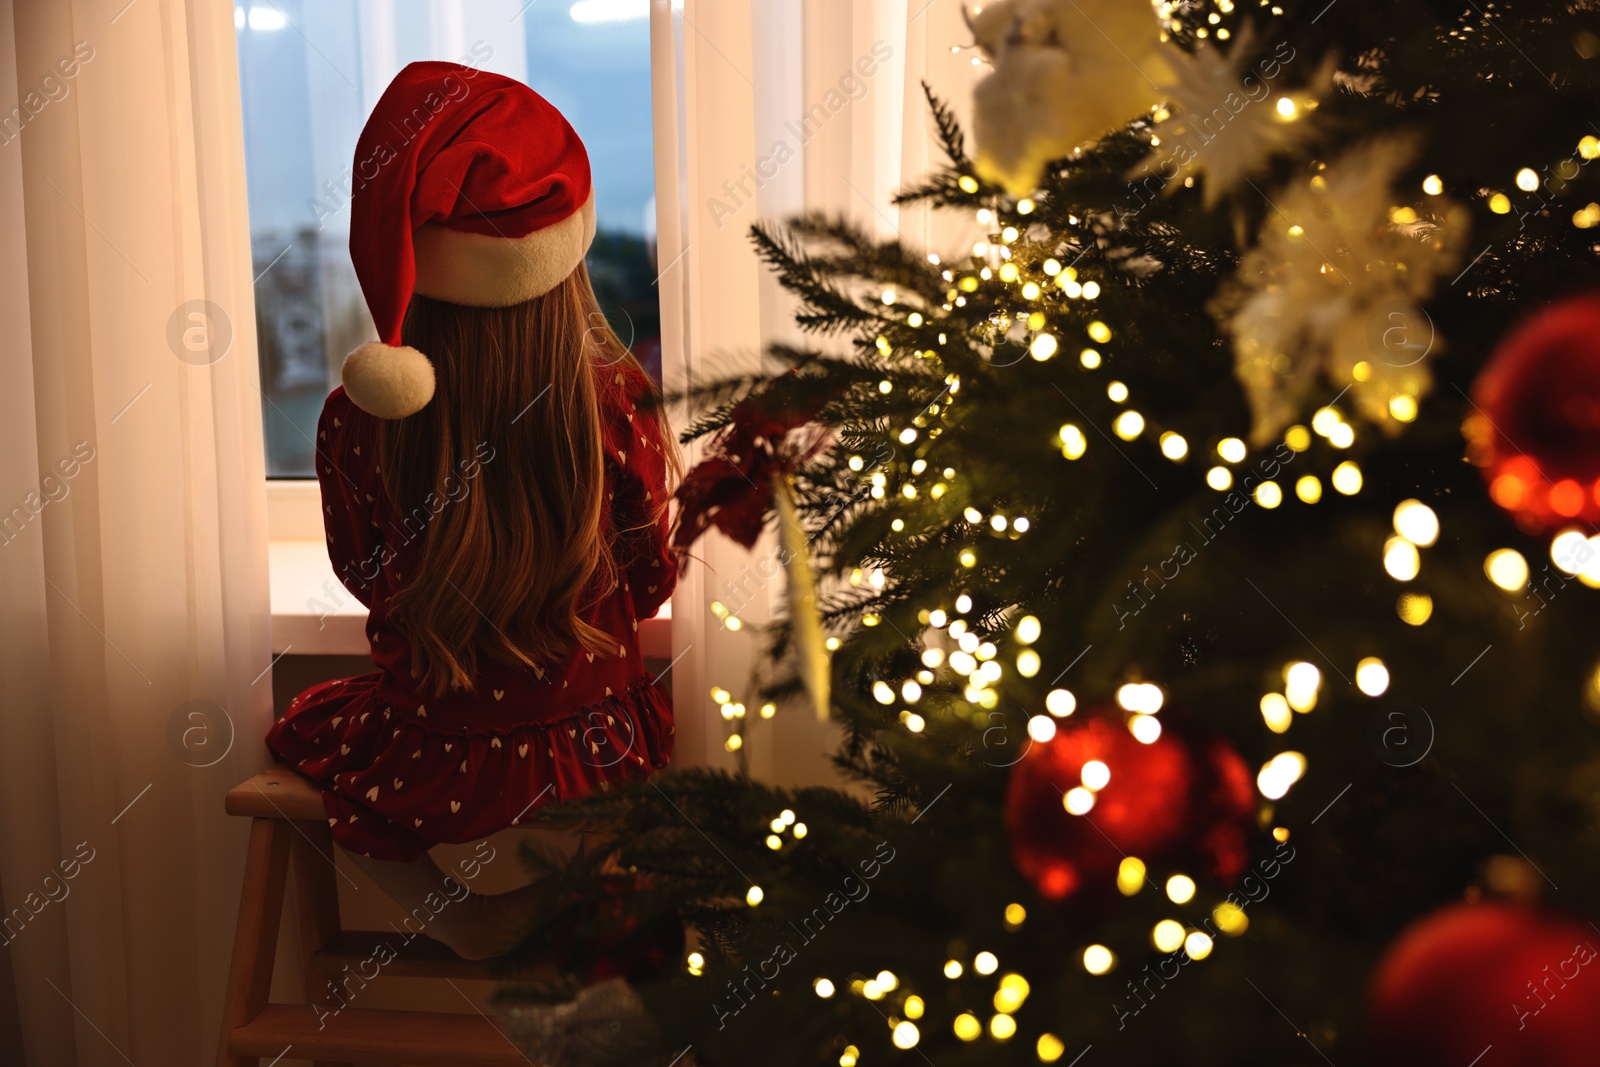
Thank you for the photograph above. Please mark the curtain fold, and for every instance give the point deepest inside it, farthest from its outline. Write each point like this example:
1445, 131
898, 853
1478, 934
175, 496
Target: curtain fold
134, 628
763, 111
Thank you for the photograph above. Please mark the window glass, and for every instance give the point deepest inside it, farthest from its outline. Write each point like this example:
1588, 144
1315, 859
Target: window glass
310, 72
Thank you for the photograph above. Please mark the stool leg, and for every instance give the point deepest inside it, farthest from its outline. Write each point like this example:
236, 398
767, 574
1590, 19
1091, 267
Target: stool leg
317, 897
255, 939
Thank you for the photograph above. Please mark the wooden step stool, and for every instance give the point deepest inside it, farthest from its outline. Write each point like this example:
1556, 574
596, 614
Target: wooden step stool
287, 817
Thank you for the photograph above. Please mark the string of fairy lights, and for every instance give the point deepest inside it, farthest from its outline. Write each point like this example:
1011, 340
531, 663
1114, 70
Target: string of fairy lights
978, 664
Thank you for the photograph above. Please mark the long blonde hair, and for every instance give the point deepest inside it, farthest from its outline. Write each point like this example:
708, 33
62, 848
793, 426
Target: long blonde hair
508, 566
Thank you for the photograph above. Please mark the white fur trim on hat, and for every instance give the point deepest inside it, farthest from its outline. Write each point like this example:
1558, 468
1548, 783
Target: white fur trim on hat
484, 271
388, 381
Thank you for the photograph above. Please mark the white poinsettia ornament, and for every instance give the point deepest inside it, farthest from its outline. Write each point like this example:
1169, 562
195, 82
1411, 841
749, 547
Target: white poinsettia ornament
1224, 119
1333, 289
1065, 73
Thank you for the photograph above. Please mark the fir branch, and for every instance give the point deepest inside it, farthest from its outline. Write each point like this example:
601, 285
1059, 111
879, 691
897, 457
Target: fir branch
951, 138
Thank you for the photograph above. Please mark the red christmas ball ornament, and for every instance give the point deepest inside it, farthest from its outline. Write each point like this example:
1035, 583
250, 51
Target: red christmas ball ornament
1094, 793
1538, 439
1493, 985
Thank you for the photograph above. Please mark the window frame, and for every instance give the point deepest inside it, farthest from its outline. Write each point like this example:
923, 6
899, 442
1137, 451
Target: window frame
294, 510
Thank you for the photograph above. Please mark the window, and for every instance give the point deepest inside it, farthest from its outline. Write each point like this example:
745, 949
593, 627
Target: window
310, 72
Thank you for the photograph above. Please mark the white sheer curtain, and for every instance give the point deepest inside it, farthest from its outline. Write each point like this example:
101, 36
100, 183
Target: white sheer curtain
763, 110
133, 504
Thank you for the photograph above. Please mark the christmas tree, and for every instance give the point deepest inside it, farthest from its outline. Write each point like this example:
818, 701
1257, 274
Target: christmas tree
1204, 566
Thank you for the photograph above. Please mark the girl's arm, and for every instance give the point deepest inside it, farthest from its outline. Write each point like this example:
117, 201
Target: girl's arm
640, 508
346, 460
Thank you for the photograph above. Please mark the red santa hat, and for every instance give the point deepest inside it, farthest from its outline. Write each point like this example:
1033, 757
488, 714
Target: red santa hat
469, 188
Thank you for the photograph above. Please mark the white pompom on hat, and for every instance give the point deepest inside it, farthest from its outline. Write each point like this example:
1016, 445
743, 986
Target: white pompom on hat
388, 381
470, 188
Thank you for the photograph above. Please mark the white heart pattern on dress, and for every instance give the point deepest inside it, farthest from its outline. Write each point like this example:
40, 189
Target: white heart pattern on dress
499, 694
522, 750
455, 806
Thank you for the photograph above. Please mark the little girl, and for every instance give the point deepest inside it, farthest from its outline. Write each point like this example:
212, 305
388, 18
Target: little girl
494, 482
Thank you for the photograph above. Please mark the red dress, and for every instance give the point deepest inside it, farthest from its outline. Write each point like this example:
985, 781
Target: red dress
402, 771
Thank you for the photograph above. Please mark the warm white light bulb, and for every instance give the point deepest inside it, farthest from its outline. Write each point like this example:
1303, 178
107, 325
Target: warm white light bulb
1372, 677
1416, 522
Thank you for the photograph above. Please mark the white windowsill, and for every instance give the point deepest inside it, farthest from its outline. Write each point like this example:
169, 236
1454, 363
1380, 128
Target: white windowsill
313, 615
294, 509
